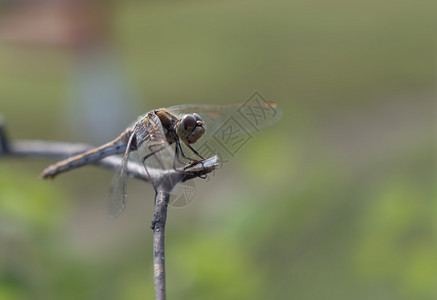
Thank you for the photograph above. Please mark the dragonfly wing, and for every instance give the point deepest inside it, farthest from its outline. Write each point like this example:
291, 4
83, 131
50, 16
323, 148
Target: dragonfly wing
229, 127
250, 116
118, 190
153, 148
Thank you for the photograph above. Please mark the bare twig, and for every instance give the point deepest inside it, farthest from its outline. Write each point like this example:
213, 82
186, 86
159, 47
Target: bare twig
163, 181
163, 187
58, 150
158, 226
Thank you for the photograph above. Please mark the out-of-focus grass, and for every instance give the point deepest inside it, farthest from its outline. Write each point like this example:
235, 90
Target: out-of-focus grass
335, 201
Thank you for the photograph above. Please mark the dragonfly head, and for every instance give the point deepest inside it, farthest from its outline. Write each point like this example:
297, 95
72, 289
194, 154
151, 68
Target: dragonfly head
190, 128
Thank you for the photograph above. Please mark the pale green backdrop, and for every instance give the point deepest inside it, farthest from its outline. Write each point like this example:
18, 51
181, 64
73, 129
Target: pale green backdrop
335, 201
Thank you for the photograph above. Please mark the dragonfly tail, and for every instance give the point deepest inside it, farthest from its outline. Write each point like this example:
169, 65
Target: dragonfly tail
115, 147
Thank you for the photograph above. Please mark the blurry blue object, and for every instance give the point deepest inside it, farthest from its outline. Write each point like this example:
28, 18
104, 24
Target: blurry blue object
100, 104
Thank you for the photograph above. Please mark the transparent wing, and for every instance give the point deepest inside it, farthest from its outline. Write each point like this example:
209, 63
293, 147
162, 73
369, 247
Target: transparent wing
118, 190
230, 127
153, 149
252, 115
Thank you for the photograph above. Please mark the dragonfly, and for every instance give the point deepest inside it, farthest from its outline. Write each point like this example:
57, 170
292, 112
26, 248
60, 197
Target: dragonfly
161, 135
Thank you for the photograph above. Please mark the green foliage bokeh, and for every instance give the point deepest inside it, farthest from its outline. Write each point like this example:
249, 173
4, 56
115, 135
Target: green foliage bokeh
335, 201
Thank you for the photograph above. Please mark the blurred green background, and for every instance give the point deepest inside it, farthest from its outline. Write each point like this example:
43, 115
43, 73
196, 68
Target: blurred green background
334, 201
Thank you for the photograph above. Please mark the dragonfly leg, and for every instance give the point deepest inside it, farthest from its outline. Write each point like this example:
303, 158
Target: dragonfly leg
192, 161
176, 158
195, 152
192, 149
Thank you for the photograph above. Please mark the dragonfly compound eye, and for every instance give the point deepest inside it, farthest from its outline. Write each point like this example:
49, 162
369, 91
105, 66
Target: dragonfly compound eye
189, 122
198, 118
190, 128
196, 134
185, 127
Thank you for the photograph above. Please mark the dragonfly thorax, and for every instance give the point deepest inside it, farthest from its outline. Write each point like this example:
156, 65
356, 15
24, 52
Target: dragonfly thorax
190, 128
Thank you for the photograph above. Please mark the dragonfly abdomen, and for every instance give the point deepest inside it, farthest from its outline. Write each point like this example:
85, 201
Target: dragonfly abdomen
115, 147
